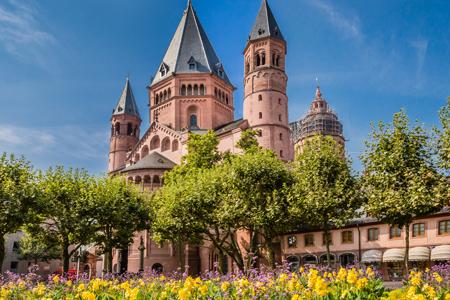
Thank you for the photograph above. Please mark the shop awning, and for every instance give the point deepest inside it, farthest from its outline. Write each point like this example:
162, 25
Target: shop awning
419, 254
394, 255
371, 256
441, 253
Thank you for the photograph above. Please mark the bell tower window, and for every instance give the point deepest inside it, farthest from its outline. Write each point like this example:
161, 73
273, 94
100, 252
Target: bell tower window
263, 58
193, 121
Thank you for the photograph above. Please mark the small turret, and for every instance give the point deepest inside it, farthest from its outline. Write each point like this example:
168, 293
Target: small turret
125, 123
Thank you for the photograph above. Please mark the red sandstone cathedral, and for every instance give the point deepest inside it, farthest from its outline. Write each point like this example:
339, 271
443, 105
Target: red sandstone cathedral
191, 92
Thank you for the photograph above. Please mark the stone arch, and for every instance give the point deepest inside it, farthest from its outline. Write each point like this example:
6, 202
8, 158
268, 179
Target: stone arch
169, 93
147, 179
309, 259
183, 90
215, 92
258, 60
348, 258
165, 144
193, 113
161, 96
144, 151
202, 89
156, 99
189, 90
137, 157
156, 179
155, 142
157, 268
263, 58
130, 179
323, 258
175, 145
117, 128
293, 262
195, 89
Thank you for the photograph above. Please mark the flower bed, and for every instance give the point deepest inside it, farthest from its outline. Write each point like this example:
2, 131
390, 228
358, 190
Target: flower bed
306, 284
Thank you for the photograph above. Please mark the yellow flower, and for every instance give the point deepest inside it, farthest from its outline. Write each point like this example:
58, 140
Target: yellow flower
87, 296
203, 290
369, 272
69, 283
320, 287
447, 297
437, 277
342, 274
295, 297
415, 281
361, 283
184, 294
55, 279
352, 276
225, 285
81, 287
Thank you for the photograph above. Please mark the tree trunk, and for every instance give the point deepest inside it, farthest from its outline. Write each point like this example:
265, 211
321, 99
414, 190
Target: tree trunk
220, 263
180, 255
327, 243
2, 250
65, 256
270, 253
407, 249
108, 260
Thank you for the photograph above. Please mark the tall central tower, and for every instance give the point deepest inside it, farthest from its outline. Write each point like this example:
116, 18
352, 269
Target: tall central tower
265, 99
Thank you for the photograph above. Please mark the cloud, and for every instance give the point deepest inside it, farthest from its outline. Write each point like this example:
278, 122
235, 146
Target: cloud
349, 26
67, 145
420, 45
21, 33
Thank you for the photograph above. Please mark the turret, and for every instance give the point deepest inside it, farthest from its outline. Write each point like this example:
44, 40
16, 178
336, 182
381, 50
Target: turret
265, 99
125, 123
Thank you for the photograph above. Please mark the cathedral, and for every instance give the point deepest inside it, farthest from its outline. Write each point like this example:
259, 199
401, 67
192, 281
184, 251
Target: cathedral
191, 92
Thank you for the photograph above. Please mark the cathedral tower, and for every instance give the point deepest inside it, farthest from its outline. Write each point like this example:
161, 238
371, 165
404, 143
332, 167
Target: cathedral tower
191, 89
125, 123
265, 99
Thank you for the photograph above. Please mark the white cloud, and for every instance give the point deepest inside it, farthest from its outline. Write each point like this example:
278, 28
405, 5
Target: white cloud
21, 33
349, 26
420, 45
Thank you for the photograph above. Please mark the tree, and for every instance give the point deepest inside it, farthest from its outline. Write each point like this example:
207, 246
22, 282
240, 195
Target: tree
17, 196
256, 185
119, 210
443, 144
400, 177
63, 209
325, 193
248, 141
36, 249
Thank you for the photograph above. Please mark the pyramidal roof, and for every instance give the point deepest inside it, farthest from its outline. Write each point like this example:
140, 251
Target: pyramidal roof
265, 24
127, 104
190, 50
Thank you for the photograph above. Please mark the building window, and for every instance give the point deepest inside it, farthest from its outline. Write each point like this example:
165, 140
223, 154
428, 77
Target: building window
444, 227
183, 90
129, 129
193, 121
195, 90
263, 58
279, 118
372, 234
189, 90
260, 115
260, 98
281, 136
279, 101
14, 265
418, 230
16, 247
347, 237
309, 240
258, 60
395, 232
324, 238
156, 179
292, 241
260, 133
192, 66
117, 128
281, 153
202, 89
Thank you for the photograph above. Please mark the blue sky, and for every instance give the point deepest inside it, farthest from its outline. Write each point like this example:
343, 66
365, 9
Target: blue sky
63, 64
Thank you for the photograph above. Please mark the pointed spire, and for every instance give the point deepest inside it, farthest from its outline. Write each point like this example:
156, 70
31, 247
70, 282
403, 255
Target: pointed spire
265, 24
318, 93
189, 42
127, 104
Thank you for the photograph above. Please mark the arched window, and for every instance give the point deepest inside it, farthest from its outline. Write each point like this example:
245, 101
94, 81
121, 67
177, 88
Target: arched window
183, 90
165, 95
161, 97
279, 100
156, 179
129, 129
309, 259
220, 94
157, 268
117, 128
169, 93
347, 259
281, 136
202, 89
277, 61
293, 263
215, 92
195, 90
279, 117
263, 58
273, 59
130, 179
147, 179
155, 143
193, 121
189, 90
226, 99
165, 144
323, 258
281, 153
156, 99
144, 151
175, 145
137, 157
259, 97
258, 60
260, 115
137, 180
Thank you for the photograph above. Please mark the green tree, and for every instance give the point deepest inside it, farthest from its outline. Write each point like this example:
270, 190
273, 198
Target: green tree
325, 193
444, 137
17, 196
400, 177
119, 210
248, 141
36, 249
63, 208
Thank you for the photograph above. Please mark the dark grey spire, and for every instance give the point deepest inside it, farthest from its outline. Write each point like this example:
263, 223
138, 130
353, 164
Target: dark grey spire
190, 50
127, 104
265, 24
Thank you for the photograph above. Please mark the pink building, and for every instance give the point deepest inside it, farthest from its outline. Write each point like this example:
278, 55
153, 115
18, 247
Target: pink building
191, 92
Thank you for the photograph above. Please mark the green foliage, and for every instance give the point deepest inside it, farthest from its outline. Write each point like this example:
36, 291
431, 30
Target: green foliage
444, 137
36, 249
119, 211
202, 150
17, 196
63, 210
400, 178
248, 141
325, 193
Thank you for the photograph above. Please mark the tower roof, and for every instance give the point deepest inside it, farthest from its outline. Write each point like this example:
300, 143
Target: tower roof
190, 50
265, 24
127, 104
